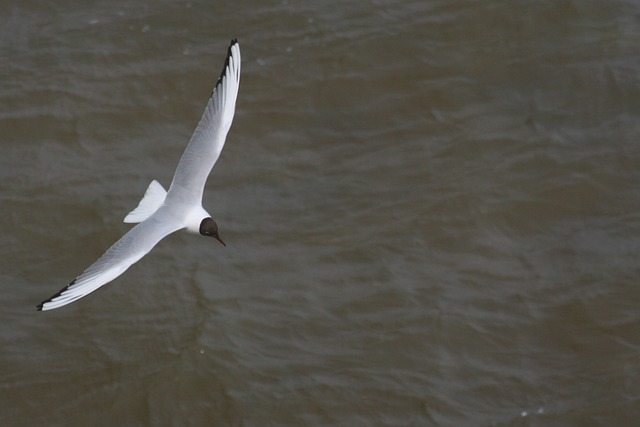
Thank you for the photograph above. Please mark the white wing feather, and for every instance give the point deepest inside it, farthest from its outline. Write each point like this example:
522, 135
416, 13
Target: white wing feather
208, 139
118, 258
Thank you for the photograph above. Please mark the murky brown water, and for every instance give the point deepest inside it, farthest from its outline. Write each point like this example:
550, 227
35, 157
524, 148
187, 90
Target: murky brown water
431, 210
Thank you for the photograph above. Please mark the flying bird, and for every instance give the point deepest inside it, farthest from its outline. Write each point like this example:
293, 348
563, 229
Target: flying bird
162, 212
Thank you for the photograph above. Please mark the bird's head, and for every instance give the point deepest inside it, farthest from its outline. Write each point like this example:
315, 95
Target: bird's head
208, 227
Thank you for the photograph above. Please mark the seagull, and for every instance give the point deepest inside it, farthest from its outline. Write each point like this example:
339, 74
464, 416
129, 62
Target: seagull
162, 212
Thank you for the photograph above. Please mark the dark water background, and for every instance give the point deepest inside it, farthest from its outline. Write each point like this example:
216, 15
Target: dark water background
431, 210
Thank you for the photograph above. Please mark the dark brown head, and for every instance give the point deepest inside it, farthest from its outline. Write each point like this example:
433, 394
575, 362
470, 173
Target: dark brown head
208, 227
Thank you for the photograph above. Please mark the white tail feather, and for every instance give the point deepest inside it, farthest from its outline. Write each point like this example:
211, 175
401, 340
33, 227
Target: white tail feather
151, 201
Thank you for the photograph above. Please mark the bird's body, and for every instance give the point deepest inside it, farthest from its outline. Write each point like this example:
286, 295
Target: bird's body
161, 212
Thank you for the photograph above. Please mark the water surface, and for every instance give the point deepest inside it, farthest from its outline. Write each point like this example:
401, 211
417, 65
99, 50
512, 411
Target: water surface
431, 212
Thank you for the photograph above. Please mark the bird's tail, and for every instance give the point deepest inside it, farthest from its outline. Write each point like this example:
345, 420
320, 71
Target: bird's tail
151, 201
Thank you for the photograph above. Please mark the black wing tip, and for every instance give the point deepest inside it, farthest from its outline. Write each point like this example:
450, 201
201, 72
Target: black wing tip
226, 63
57, 294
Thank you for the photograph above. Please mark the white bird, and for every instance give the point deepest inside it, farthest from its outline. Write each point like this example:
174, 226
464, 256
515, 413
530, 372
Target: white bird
161, 212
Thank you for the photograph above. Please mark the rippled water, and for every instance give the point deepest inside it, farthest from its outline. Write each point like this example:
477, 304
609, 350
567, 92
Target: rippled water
431, 210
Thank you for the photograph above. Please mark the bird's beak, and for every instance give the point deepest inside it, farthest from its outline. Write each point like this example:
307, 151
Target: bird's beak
220, 240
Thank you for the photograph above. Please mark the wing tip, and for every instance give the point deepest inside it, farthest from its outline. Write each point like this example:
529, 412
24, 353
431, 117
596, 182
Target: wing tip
233, 43
40, 307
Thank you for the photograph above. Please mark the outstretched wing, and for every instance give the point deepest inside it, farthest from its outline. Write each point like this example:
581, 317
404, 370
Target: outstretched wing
207, 141
118, 258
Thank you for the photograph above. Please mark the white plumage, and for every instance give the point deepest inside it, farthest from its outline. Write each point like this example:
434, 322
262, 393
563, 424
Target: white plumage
161, 212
